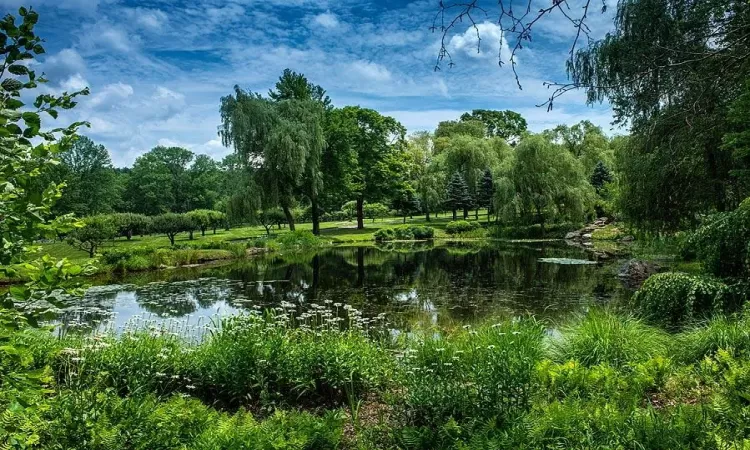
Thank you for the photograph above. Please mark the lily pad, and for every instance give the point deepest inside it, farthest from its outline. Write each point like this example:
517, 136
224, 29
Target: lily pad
566, 261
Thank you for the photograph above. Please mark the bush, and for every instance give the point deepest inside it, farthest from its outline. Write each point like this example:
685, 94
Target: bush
404, 233
676, 299
722, 244
461, 226
602, 337
299, 239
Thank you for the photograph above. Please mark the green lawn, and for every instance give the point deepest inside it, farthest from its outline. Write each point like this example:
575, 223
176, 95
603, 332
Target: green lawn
337, 232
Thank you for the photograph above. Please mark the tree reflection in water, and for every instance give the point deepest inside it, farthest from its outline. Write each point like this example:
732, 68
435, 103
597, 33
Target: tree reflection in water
447, 285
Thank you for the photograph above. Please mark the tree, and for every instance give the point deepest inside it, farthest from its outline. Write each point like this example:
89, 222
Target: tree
469, 127
546, 184
160, 181
457, 195
600, 177
406, 202
295, 86
201, 218
281, 141
486, 192
470, 157
507, 124
90, 180
737, 141
424, 172
94, 233
128, 224
368, 144
172, 224
204, 177
375, 210
585, 141
671, 69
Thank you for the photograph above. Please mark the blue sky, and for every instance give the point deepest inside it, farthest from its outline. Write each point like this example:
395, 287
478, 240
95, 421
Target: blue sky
158, 68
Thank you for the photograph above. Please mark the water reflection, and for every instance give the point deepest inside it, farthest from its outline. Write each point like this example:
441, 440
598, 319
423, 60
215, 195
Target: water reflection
453, 284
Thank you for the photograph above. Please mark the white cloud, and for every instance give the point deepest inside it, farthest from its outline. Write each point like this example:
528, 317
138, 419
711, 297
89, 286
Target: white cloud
151, 19
369, 71
116, 38
490, 44
109, 96
327, 20
74, 83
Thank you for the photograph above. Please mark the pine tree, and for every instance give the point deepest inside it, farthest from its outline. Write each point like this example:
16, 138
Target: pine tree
485, 192
600, 177
457, 196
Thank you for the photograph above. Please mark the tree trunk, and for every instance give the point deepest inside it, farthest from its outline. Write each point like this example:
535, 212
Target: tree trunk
315, 215
466, 212
360, 266
191, 235
360, 213
171, 239
427, 216
404, 219
92, 250
129, 234
203, 231
289, 217
476, 214
454, 214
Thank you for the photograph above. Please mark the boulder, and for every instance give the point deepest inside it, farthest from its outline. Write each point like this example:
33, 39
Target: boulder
587, 236
627, 238
635, 272
573, 235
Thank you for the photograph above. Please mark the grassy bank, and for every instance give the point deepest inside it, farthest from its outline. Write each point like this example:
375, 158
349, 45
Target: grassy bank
306, 380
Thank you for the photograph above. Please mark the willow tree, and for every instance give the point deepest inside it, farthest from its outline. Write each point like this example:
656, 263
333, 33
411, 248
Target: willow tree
280, 142
424, 173
544, 184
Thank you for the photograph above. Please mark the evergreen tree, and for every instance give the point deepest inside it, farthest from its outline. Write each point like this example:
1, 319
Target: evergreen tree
457, 195
486, 192
600, 177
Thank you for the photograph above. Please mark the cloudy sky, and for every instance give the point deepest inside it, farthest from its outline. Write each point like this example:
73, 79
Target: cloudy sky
157, 68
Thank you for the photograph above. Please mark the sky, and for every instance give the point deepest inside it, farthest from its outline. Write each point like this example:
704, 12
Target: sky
158, 68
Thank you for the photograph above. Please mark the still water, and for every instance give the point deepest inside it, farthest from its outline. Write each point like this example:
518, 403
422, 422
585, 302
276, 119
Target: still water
446, 285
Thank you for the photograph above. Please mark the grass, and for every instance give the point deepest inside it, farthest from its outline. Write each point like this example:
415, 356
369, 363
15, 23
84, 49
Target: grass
312, 381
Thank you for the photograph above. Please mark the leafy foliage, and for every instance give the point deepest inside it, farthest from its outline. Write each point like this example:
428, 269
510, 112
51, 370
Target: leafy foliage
404, 233
675, 299
95, 232
722, 243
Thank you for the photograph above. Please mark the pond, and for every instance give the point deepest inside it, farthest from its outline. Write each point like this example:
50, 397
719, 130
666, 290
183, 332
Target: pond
451, 284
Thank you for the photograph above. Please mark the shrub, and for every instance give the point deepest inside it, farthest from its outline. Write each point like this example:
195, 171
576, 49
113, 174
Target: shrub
471, 376
298, 239
461, 226
602, 337
676, 299
722, 244
404, 233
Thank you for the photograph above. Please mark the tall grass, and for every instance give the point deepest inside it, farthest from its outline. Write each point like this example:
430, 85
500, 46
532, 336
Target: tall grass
602, 337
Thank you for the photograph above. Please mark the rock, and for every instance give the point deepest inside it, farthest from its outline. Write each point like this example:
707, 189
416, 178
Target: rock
588, 244
573, 235
627, 238
587, 236
635, 272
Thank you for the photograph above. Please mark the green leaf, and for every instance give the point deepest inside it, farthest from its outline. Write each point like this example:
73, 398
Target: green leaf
17, 69
10, 84
22, 11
